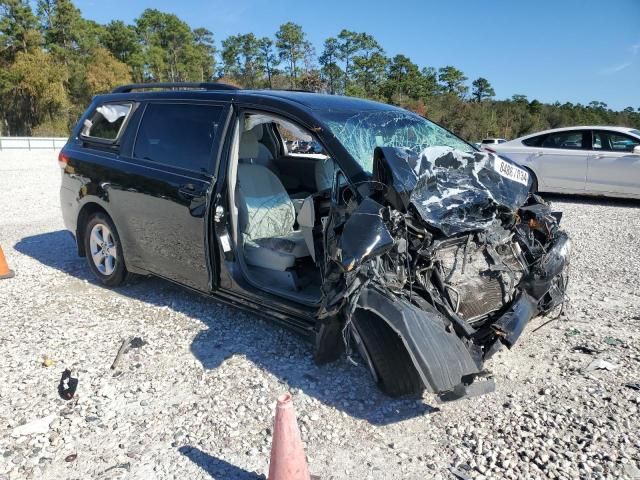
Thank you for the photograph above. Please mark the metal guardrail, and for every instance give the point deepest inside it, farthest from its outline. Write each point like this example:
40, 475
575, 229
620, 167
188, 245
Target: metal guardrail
32, 143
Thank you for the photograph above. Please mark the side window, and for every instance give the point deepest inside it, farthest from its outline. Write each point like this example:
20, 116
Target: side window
180, 135
568, 140
106, 121
298, 141
613, 142
534, 141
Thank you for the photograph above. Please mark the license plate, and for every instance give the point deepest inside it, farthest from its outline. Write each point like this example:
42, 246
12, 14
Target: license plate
510, 171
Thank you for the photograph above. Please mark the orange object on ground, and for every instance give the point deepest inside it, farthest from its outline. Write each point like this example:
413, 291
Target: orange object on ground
4, 268
288, 461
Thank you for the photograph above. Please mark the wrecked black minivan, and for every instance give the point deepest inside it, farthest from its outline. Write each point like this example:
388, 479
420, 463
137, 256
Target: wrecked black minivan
391, 236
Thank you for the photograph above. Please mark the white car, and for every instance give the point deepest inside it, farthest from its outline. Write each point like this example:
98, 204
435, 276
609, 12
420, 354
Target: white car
487, 142
587, 160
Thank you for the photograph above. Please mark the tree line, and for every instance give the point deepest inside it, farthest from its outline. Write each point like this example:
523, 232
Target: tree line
53, 61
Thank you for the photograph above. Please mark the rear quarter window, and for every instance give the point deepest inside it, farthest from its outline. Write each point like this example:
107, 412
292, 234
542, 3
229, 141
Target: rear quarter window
534, 141
106, 121
179, 135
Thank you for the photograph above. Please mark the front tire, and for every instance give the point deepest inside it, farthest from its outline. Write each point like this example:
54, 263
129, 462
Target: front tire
394, 372
104, 250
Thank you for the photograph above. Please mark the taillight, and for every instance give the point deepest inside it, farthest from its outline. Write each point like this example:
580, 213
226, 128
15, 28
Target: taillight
62, 160
489, 149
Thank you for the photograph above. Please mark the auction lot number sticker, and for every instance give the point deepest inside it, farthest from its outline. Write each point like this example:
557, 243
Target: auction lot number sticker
510, 171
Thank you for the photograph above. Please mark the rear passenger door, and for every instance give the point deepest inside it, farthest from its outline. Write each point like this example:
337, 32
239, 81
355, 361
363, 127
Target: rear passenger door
613, 168
562, 159
164, 202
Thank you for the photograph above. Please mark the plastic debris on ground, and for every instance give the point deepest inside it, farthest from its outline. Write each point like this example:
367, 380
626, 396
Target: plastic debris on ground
600, 364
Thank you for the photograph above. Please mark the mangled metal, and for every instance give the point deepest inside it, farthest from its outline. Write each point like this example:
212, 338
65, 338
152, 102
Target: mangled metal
453, 252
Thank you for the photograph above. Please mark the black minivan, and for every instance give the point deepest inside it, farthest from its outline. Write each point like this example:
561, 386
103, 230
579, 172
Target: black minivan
391, 236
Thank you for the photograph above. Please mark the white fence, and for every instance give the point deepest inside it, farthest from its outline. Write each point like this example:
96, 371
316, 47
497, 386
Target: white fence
32, 143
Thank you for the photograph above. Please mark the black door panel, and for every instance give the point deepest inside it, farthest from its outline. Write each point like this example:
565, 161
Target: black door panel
166, 230
165, 187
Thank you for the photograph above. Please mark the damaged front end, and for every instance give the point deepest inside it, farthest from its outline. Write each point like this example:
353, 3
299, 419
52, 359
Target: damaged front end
452, 251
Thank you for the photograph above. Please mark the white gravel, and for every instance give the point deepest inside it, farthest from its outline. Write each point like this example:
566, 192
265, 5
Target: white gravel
197, 400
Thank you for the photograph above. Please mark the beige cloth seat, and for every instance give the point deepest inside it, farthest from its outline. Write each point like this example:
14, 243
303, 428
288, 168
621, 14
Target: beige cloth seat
266, 216
251, 150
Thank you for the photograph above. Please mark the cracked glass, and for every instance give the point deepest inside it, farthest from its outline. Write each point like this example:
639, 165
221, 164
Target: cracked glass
360, 133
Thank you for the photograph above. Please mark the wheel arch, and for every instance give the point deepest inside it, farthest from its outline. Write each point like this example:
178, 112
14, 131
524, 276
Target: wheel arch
87, 210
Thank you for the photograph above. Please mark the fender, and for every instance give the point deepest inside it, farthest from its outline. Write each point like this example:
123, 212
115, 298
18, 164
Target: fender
440, 357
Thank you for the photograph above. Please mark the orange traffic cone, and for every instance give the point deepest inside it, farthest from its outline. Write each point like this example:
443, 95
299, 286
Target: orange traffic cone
4, 268
288, 461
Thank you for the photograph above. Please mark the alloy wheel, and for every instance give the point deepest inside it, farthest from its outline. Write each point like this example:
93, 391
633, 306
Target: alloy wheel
103, 249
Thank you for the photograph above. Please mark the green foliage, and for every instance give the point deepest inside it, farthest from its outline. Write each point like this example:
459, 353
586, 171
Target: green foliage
482, 89
243, 59
30, 89
292, 47
331, 73
52, 61
452, 81
268, 59
18, 27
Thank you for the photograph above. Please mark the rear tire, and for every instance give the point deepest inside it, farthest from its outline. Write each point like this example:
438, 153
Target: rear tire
394, 369
104, 250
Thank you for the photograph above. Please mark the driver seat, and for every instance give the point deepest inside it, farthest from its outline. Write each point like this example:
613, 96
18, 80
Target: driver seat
266, 218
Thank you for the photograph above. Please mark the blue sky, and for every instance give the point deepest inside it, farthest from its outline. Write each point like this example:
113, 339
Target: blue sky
565, 50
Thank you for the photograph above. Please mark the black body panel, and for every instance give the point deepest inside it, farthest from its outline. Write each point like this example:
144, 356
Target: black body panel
440, 357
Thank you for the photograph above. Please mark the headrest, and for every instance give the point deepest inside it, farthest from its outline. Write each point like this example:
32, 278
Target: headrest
249, 142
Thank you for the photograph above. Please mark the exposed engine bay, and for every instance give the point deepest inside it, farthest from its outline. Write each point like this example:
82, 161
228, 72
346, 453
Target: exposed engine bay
452, 251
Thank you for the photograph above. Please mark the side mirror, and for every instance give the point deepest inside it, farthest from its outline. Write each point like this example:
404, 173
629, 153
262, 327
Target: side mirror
636, 150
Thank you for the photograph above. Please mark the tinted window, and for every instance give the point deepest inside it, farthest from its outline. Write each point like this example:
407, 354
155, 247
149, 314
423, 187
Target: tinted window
534, 141
488, 140
106, 121
568, 140
613, 142
180, 135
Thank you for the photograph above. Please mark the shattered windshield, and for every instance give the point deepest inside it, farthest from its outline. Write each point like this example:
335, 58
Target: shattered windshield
360, 133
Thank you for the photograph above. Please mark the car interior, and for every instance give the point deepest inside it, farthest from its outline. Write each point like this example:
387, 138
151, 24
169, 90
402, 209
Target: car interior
279, 183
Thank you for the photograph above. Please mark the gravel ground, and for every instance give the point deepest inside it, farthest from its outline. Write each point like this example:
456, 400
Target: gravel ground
197, 399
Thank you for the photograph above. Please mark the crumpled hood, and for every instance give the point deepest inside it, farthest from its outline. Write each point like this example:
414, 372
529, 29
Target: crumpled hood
451, 190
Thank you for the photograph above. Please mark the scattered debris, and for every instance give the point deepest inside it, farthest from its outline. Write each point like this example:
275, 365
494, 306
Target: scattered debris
459, 474
633, 386
572, 332
126, 466
41, 425
68, 385
48, 362
71, 457
126, 345
121, 350
612, 341
137, 342
601, 364
585, 349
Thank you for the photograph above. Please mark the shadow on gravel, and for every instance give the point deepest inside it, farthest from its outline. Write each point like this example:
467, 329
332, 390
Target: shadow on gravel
231, 333
216, 467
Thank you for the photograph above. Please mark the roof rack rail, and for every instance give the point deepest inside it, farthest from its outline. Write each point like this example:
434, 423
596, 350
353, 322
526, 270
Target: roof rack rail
175, 85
